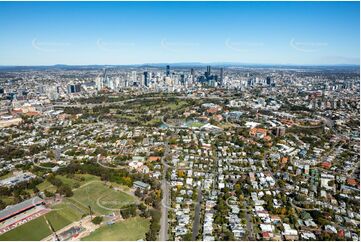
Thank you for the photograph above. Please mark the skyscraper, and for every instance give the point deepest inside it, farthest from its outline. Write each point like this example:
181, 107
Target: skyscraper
167, 73
192, 74
182, 79
77, 87
99, 83
208, 72
221, 78
268, 81
134, 76
145, 78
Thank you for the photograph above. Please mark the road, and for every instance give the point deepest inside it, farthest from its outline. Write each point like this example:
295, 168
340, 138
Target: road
249, 223
197, 212
163, 233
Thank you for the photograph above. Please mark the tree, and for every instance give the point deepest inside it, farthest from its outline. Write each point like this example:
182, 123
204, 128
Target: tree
138, 192
97, 220
34, 149
65, 190
48, 194
51, 154
55, 181
187, 237
129, 211
154, 227
142, 208
331, 183
36, 190
2, 204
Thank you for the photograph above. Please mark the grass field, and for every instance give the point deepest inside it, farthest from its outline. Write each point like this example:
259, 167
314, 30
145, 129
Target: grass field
131, 229
69, 181
69, 211
97, 193
176, 105
7, 175
79, 179
93, 193
38, 229
45, 185
196, 124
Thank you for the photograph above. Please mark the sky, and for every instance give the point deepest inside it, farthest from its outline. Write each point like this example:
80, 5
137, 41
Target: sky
85, 33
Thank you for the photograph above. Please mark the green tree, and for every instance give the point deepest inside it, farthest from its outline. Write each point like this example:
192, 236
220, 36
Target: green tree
97, 220
2, 204
65, 190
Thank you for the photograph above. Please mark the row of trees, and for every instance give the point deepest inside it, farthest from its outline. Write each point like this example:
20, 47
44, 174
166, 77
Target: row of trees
154, 227
62, 188
19, 191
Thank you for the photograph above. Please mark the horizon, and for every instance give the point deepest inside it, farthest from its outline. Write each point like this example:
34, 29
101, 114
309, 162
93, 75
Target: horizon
132, 33
195, 64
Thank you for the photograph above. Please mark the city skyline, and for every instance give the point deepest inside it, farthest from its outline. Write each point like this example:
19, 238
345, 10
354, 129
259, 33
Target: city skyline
180, 121
122, 33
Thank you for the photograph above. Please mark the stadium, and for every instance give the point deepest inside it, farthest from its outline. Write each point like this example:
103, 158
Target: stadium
23, 212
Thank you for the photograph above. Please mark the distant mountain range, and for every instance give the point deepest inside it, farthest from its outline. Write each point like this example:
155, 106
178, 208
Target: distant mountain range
184, 65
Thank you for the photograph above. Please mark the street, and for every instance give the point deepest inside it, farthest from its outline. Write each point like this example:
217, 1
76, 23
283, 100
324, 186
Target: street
163, 233
197, 214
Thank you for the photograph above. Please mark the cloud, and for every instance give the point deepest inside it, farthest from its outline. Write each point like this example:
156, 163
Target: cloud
48, 46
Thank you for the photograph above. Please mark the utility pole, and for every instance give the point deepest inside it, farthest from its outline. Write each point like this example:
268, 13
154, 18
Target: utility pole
52, 229
90, 212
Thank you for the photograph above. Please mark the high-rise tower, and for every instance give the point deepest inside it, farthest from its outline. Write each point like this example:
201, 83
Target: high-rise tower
167, 73
221, 77
145, 78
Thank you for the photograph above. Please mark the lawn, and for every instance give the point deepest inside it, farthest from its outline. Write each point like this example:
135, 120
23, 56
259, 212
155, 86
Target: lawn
7, 175
58, 220
176, 105
196, 124
69, 211
45, 185
78, 179
131, 229
36, 229
154, 122
100, 197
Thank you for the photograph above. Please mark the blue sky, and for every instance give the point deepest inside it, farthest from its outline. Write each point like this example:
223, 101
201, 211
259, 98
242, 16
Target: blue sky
46, 33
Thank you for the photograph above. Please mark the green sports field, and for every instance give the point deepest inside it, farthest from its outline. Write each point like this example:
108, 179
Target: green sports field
93, 192
71, 210
38, 229
100, 197
131, 229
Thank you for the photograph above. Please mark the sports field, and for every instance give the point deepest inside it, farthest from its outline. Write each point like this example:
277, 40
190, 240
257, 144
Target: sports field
131, 229
38, 229
100, 198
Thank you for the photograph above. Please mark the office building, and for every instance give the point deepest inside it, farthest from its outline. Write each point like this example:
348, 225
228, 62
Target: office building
145, 78
167, 73
221, 77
